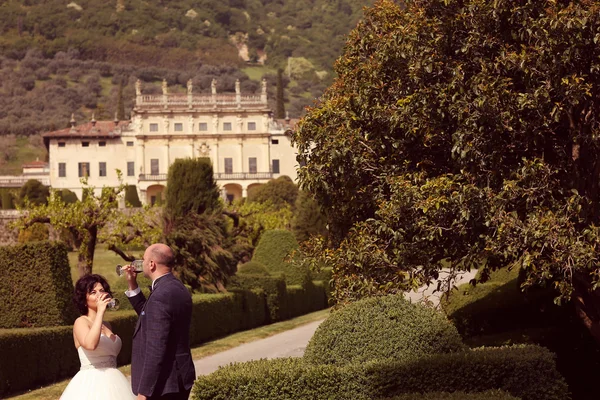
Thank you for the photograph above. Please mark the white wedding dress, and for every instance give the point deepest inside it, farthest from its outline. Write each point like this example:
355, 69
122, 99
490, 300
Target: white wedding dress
99, 378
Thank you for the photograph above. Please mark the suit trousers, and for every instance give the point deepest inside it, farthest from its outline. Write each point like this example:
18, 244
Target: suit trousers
185, 395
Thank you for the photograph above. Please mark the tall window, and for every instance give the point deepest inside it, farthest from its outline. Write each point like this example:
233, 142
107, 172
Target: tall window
229, 165
226, 126
130, 168
252, 165
85, 144
62, 170
275, 166
129, 144
101, 144
178, 127
61, 144
203, 126
153, 127
154, 166
251, 126
102, 169
84, 169
274, 141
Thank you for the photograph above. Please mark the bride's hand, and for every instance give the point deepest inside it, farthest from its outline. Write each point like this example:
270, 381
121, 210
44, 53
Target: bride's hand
103, 299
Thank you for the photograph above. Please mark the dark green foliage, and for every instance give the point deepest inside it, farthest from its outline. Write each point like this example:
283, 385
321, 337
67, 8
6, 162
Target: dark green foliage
253, 268
192, 188
382, 328
525, 372
35, 191
68, 197
198, 242
490, 395
120, 114
273, 250
273, 287
308, 218
36, 286
500, 98
278, 191
280, 110
497, 313
34, 357
6, 199
131, 196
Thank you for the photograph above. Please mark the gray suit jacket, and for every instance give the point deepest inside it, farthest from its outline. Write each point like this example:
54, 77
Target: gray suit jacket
161, 361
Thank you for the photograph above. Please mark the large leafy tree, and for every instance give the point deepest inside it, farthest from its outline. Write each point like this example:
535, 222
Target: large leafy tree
460, 132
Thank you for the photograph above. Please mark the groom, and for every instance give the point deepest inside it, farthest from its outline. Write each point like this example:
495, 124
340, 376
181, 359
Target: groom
161, 361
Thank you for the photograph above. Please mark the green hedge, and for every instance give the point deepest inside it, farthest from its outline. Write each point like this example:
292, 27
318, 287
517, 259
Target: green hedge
274, 288
526, 372
469, 306
498, 313
489, 395
273, 249
36, 286
48, 354
378, 328
303, 300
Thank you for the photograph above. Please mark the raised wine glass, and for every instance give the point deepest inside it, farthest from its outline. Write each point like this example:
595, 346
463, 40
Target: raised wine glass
138, 266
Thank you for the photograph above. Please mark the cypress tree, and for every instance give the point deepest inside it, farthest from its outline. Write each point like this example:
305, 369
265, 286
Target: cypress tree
280, 110
191, 187
120, 103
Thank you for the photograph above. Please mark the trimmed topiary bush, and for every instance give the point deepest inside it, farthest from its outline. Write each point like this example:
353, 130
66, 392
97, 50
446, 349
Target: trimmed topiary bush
36, 286
273, 249
253, 268
381, 328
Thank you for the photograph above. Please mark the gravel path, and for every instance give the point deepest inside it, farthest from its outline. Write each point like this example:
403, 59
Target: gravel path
286, 344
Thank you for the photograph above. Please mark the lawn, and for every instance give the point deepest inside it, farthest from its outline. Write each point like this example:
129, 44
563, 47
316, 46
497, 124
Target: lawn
105, 262
25, 153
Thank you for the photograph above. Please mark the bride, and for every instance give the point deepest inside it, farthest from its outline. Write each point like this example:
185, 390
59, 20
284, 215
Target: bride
97, 346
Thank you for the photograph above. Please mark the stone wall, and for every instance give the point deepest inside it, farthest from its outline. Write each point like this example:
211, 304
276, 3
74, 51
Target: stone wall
9, 236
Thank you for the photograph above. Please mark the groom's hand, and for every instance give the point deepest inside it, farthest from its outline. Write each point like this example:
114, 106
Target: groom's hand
131, 277
141, 397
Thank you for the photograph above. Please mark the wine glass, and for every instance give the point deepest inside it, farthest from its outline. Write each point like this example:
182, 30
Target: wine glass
138, 266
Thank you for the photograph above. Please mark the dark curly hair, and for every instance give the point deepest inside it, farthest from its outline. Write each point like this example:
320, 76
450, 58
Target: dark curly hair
85, 285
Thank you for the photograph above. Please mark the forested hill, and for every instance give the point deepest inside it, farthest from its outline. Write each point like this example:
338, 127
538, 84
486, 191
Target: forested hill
58, 57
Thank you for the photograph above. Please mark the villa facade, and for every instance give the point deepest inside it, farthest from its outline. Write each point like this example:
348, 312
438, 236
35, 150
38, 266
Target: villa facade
237, 132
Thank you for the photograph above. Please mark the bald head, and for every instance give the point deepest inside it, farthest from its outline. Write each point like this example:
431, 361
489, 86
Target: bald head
161, 254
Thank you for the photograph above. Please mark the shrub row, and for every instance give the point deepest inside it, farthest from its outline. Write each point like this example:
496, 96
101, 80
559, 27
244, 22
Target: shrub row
526, 372
33, 288
283, 302
47, 354
489, 395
